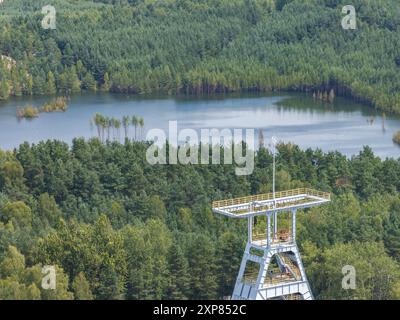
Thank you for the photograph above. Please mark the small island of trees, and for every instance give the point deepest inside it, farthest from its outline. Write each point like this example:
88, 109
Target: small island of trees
28, 112
60, 104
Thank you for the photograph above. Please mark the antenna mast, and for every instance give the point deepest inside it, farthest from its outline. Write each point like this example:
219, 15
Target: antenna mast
273, 166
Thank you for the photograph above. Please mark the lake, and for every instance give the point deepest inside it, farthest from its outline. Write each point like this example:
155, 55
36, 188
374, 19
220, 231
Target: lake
344, 125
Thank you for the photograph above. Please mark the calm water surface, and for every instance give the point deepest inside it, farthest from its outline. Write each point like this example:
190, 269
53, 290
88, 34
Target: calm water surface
344, 125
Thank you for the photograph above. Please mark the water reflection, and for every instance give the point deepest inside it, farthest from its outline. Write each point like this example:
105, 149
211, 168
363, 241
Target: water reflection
344, 125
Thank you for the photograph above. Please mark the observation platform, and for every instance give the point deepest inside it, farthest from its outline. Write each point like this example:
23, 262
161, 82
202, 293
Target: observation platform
257, 205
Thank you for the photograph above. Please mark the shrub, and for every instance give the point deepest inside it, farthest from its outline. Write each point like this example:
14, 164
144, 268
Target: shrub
28, 112
396, 137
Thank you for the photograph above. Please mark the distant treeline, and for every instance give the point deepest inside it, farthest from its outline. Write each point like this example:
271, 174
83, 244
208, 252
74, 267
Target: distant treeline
192, 47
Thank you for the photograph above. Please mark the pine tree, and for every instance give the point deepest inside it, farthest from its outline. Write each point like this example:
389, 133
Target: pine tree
261, 140
331, 96
13, 264
126, 122
179, 285
51, 84
202, 268
4, 90
392, 232
73, 82
28, 86
89, 83
81, 288
106, 83
17, 89
229, 255
39, 85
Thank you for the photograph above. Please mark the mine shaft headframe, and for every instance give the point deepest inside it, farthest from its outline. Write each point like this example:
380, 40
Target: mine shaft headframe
263, 204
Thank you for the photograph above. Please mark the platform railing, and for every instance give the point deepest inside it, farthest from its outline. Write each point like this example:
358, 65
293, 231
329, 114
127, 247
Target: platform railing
270, 196
261, 238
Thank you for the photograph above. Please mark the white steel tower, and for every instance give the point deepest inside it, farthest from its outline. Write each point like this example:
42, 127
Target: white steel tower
271, 267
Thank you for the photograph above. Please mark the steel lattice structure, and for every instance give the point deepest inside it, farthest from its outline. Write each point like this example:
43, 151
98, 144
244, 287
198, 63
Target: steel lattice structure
275, 247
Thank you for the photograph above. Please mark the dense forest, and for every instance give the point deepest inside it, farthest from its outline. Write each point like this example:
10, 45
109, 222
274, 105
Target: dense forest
119, 228
202, 46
